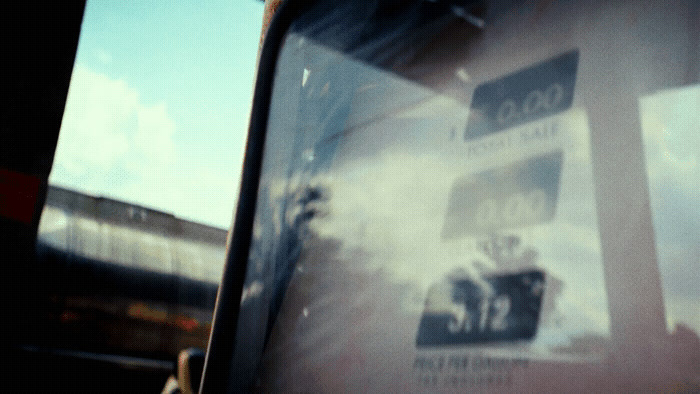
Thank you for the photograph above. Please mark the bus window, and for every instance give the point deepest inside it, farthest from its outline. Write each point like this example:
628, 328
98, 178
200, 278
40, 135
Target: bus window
456, 196
132, 239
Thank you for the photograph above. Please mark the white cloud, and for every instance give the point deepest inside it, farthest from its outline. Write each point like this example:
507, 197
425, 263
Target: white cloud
192, 192
109, 139
389, 208
113, 144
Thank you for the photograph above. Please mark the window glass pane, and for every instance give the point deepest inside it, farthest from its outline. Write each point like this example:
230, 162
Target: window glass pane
670, 123
434, 218
410, 208
145, 176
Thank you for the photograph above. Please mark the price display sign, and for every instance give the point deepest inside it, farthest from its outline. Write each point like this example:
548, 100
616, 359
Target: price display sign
521, 194
458, 311
524, 96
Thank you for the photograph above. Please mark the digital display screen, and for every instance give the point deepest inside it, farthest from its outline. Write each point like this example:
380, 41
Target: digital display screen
521, 194
458, 312
538, 91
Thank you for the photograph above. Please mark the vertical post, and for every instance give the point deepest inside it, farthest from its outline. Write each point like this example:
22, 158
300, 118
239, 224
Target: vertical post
626, 64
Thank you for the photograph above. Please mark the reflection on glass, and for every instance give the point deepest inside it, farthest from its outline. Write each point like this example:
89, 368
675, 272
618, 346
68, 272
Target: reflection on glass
671, 129
363, 226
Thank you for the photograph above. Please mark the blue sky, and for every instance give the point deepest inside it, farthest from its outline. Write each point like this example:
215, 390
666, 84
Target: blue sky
158, 108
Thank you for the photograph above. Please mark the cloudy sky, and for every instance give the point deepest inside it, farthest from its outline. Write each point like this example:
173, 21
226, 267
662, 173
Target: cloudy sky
159, 102
670, 121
